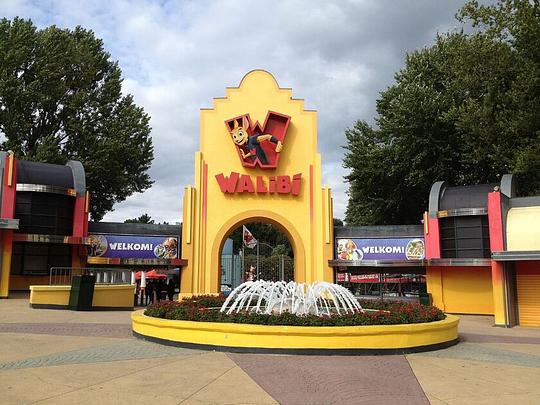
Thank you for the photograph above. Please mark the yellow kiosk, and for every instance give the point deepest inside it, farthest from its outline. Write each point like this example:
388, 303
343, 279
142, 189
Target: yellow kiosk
258, 162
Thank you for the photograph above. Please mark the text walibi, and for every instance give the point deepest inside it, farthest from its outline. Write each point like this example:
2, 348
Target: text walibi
237, 183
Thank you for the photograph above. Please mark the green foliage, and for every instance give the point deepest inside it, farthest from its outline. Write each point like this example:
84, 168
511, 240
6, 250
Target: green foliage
143, 219
280, 250
338, 222
464, 110
60, 99
266, 233
205, 309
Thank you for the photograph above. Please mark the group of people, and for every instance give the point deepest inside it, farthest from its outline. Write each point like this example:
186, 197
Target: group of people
155, 291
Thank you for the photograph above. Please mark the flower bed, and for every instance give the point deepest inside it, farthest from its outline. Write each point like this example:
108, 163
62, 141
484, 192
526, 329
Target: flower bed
206, 309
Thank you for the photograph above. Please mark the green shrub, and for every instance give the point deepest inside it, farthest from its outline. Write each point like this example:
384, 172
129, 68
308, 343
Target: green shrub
204, 309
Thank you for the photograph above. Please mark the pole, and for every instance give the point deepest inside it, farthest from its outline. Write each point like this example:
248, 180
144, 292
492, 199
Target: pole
243, 264
257, 274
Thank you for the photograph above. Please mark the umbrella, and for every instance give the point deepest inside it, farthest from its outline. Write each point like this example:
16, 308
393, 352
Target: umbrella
155, 275
152, 274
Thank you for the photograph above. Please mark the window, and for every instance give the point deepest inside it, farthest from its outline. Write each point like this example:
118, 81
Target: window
465, 237
44, 213
38, 258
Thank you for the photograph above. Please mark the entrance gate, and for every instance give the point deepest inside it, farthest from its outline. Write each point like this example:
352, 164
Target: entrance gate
258, 162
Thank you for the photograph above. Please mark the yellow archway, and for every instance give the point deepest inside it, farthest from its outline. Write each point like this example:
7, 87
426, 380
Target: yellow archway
278, 221
235, 184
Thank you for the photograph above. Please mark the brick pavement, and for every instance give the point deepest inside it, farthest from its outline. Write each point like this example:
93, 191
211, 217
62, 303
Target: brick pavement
70, 329
69, 357
125, 350
334, 379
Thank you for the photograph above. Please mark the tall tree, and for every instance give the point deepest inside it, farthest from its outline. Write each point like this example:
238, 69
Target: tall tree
143, 219
61, 99
464, 110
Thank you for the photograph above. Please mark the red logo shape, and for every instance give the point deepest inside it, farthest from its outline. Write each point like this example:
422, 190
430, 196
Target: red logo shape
256, 145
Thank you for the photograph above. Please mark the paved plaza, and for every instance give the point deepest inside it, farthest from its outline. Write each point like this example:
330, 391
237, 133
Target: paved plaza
66, 357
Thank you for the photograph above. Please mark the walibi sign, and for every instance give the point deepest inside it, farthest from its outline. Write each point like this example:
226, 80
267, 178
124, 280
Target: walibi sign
133, 247
381, 249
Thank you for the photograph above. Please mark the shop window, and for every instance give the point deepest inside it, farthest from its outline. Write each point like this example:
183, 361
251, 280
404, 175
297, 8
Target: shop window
465, 237
16, 259
38, 258
44, 213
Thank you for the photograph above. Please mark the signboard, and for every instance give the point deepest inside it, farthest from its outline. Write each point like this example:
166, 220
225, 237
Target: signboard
380, 249
375, 278
133, 246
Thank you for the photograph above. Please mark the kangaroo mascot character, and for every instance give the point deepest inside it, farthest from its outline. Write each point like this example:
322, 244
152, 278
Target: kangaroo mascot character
250, 146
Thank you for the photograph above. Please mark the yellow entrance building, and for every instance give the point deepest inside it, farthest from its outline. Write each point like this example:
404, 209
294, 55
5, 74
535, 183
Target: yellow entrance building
258, 162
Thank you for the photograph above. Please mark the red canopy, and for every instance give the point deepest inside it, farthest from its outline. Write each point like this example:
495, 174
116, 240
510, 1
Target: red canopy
152, 274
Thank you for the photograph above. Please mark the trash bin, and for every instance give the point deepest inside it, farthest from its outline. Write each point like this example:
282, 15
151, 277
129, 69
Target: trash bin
424, 298
82, 293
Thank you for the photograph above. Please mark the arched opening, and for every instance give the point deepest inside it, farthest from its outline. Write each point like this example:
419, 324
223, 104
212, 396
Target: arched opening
278, 224
256, 251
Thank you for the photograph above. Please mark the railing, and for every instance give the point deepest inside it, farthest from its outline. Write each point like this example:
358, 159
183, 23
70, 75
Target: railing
64, 275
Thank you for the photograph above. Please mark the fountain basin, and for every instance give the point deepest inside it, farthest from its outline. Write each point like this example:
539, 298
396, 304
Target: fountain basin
346, 340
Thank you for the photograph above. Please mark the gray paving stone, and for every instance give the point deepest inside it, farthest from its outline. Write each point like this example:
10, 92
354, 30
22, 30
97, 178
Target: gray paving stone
129, 350
70, 329
476, 352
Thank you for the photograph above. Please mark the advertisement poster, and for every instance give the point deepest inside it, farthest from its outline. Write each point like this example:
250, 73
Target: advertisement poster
380, 249
133, 247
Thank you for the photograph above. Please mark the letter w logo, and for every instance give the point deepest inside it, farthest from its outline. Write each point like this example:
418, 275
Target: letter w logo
258, 145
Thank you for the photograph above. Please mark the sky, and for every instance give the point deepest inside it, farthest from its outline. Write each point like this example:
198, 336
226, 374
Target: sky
176, 56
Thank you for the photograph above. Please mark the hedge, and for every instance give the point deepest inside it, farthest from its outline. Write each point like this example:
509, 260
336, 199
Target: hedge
206, 309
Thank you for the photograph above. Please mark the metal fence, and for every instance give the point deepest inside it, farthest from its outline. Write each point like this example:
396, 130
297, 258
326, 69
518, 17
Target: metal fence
272, 268
64, 275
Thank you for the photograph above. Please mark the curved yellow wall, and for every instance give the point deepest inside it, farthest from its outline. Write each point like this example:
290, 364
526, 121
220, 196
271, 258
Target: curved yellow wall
297, 337
210, 215
523, 229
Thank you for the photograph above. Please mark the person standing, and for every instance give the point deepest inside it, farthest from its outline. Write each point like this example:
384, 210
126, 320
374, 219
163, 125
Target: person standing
150, 292
170, 289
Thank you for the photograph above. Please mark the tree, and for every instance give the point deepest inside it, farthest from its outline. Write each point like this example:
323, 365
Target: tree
464, 110
338, 222
60, 99
143, 219
263, 232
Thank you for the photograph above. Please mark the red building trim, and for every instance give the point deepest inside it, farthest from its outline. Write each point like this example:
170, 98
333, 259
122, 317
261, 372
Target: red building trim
311, 193
496, 228
432, 238
8, 192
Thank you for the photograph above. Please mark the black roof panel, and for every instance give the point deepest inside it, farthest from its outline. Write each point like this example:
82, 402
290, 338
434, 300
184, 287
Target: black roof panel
465, 196
44, 173
120, 228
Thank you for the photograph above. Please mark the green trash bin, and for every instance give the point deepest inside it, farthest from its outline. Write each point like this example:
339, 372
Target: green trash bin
82, 293
424, 298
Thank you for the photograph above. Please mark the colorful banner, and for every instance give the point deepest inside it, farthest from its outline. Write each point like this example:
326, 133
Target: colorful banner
133, 247
380, 249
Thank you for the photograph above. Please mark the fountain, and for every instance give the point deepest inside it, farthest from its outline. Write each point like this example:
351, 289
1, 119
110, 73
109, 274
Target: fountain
276, 297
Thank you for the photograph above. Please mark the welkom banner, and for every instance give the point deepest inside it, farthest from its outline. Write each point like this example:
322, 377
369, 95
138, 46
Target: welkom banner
380, 249
133, 246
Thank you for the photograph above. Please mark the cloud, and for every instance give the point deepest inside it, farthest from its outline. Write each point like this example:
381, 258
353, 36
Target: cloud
177, 55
